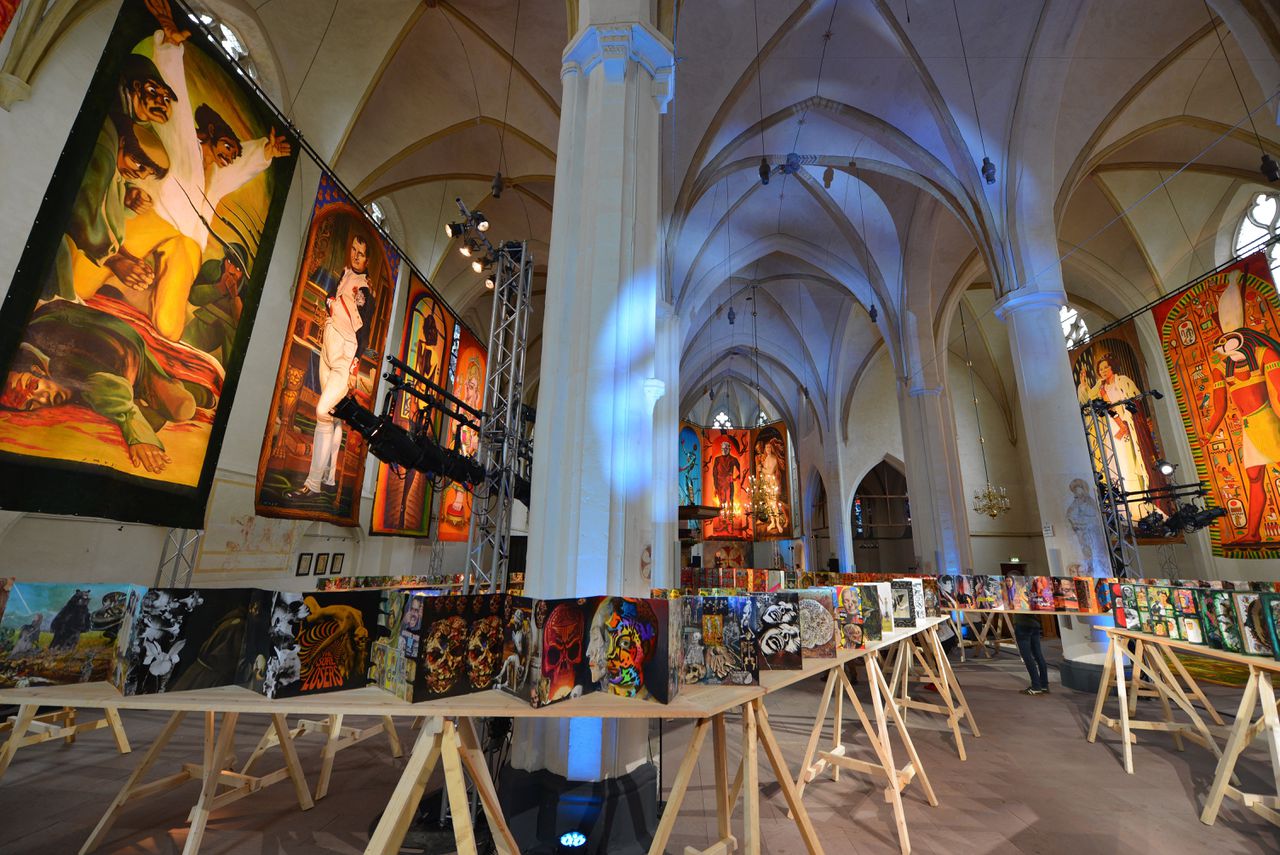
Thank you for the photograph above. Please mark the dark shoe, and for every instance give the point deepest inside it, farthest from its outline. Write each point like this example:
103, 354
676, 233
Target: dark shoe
1045, 690
302, 494
1031, 690
329, 489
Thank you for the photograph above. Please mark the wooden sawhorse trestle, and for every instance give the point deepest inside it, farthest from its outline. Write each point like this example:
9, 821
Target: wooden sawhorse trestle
925, 650
337, 737
31, 727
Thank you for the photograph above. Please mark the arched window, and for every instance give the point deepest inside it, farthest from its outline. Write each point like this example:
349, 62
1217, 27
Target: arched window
230, 41
1261, 221
376, 213
722, 421
1074, 329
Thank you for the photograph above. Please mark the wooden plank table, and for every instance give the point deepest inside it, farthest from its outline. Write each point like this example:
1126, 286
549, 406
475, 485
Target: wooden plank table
448, 738
1152, 657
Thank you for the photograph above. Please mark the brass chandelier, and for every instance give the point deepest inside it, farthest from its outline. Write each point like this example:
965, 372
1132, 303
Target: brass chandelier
987, 500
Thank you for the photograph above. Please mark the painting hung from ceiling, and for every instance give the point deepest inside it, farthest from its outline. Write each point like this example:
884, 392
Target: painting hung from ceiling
1109, 367
402, 497
8, 9
1221, 340
746, 475
126, 325
690, 464
468, 386
312, 464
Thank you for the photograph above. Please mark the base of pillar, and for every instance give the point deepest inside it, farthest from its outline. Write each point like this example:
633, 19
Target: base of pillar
1081, 676
618, 815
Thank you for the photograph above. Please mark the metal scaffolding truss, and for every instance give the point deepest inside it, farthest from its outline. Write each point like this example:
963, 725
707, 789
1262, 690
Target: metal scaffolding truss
1117, 521
504, 449
178, 558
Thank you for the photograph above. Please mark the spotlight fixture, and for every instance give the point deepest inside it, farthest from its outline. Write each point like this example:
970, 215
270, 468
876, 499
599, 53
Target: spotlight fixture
454, 230
477, 265
1131, 406
988, 170
1157, 394
1270, 168
1165, 468
733, 316
497, 187
828, 175
465, 249
480, 220
872, 313
764, 171
489, 283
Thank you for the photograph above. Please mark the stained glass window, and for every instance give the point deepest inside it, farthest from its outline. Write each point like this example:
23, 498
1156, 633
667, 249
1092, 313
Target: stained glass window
1261, 222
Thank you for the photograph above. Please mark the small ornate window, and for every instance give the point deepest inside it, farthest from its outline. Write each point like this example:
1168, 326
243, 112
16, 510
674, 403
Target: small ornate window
722, 421
230, 41
1074, 329
376, 213
1261, 222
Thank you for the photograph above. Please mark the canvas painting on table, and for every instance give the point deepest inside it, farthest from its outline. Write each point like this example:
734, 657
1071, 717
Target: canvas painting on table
1223, 614
1041, 593
560, 666
775, 620
817, 623
728, 641
948, 591
460, 644
186, 638
393, 656
1270, 607
987, 592
1254, 637
128, 320
53, 633
849, 617
6, 584
516, 673
629, 649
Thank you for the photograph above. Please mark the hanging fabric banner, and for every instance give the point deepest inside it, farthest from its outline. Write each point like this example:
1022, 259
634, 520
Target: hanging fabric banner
469, 386
8, 10
312, 464
1221, 340
690, 475
771, 494
1110, 367
726, 464
402, 497
124, 331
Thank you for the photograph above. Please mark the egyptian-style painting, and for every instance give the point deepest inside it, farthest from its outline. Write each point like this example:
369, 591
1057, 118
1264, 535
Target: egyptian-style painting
1221, 340
817, 623
126, 325
629, 651
312, 464
771, 500
726, 470
690, 459
55, 633
1110, 368
560, 668
775, 620
402, 496
469, 387
461, 644
315, 642
187, 638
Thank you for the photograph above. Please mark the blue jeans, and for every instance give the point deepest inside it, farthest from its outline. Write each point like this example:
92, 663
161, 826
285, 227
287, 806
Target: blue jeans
1029, 646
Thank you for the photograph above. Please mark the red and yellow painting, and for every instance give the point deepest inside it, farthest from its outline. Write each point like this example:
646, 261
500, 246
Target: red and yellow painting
772, 489
402, 496
726, 472
1221, 340
312, 462
130, 310
1109, 367
469, 387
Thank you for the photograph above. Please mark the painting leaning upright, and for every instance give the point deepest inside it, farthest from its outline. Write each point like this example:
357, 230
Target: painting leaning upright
123, 333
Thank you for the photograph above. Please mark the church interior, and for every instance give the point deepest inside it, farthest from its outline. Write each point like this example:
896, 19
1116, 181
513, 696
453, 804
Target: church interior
593, 426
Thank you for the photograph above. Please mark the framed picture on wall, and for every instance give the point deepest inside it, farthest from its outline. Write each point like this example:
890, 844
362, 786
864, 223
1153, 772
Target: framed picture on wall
335, 563
304, 564
322, 563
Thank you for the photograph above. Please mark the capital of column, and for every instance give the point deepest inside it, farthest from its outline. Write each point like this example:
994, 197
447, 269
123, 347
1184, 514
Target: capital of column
613, 45
921, 391
1017, 301
654, 389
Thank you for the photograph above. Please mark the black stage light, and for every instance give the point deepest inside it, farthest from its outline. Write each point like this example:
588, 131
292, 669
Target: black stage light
454, 230
764, 170
1165, 467
988, 170
1270, 168
1157, 394
497, 187
480, 220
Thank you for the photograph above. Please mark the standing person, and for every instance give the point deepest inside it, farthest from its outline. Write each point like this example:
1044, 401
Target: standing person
1026, 629
339, 362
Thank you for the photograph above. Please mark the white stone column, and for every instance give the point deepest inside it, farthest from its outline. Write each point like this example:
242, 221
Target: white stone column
665, 569
939, 508
591, 509
1060, 464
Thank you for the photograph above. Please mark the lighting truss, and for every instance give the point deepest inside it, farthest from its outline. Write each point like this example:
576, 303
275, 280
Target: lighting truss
1113, 501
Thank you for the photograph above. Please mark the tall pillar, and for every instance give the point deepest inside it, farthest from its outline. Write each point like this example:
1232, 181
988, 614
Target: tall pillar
665, 569
591, 506
1060, 465
939, 510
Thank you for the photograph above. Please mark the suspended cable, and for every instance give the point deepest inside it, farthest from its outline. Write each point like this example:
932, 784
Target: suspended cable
973, 97
502, 131
822, 60
755, 20
1213, 21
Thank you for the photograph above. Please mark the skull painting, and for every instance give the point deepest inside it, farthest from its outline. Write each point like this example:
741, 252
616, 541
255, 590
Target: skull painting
484, 646
442, 653
562, 650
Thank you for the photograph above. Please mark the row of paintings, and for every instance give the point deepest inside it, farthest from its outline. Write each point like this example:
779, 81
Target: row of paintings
746, 474
1237, 621
129, 315
321, 564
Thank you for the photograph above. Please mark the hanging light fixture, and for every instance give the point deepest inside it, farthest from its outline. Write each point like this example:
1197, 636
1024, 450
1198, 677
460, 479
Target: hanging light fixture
988, 500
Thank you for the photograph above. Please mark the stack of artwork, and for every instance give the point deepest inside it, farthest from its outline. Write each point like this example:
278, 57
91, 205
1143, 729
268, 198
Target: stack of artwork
1239, 617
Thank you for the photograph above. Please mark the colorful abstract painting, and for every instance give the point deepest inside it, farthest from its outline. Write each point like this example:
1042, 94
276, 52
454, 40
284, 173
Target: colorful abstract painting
124, 331
402, 497
1110, 368
312, 463
469, 387
1221, 340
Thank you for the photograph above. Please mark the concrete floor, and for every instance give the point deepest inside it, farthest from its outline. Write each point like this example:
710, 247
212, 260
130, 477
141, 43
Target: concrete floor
1031, 785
